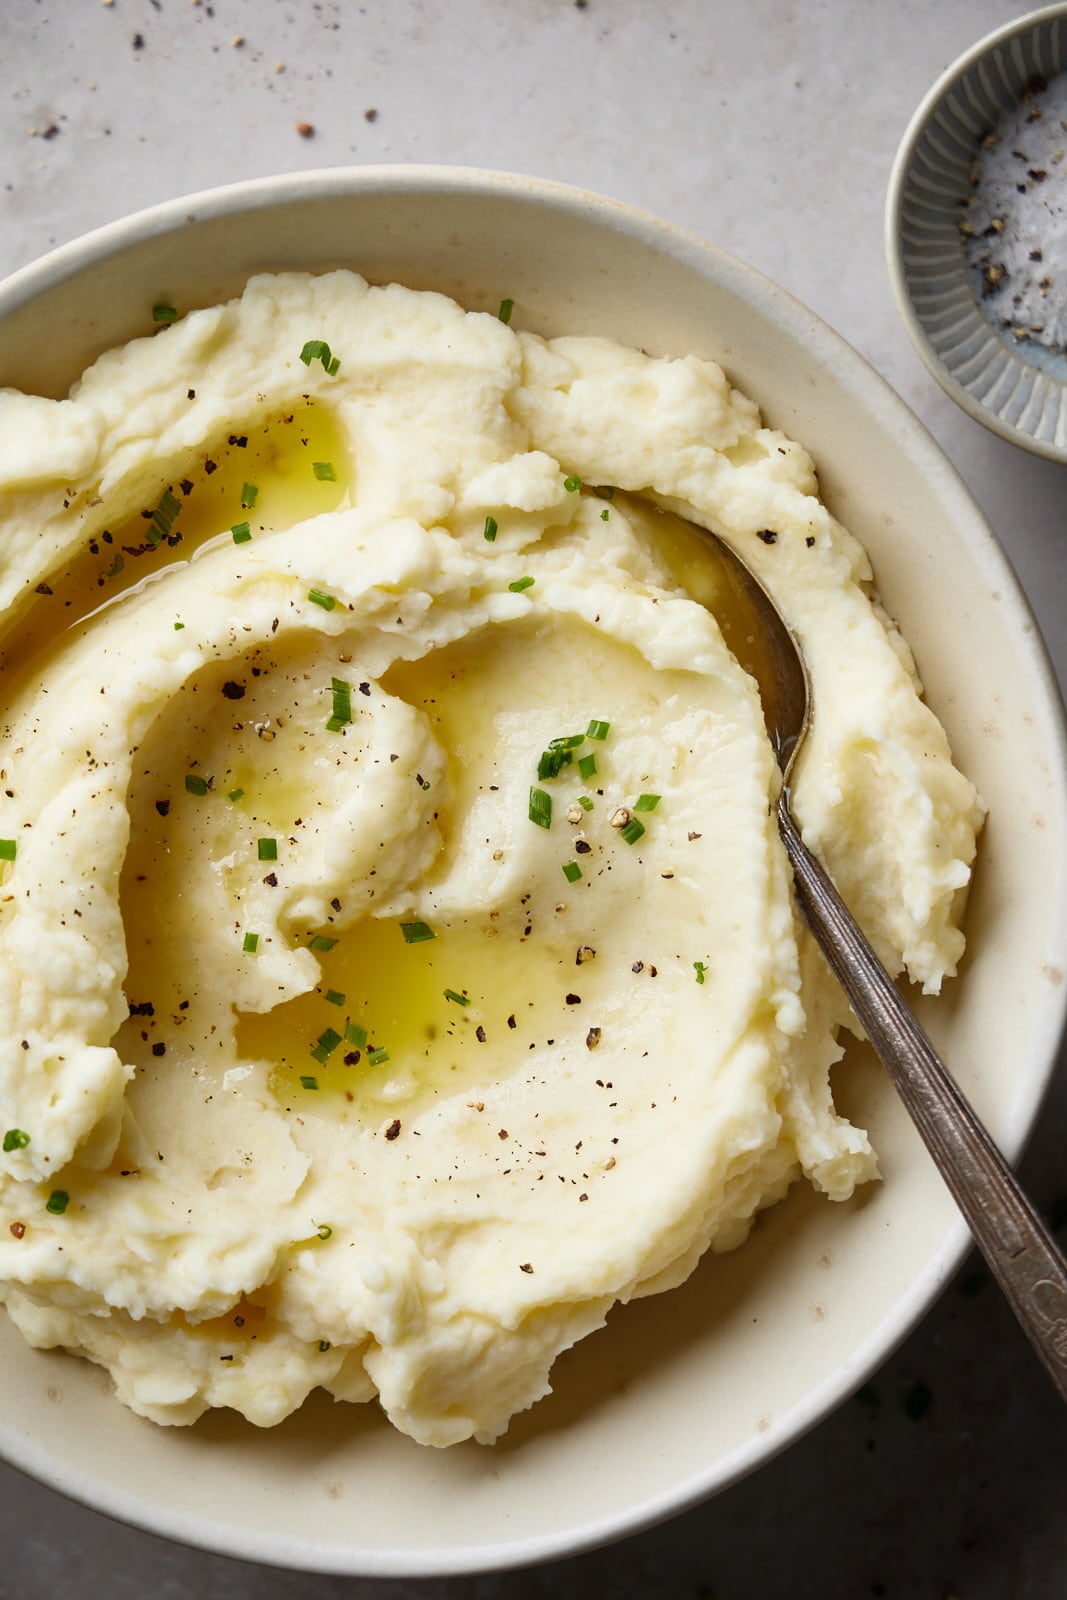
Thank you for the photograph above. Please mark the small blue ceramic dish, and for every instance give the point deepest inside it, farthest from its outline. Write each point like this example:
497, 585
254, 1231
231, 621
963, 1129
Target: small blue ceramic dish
976, 231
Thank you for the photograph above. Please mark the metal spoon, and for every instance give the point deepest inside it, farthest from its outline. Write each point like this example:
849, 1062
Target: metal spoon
1020, 1251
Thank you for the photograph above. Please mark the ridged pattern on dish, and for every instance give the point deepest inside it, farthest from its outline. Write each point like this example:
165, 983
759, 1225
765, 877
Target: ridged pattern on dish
1022, 386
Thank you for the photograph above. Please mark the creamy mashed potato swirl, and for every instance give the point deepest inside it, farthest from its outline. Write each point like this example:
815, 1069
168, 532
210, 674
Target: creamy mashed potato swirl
397, 955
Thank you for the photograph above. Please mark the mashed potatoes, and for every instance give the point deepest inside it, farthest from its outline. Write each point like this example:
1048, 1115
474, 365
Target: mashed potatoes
397, 956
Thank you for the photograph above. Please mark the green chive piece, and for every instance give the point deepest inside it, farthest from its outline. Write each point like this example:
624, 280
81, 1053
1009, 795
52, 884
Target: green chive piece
700, 968
319, 350
163, 518
249, 495
572, 871
235, 794
178, 626
241, 532
324, 471
116, 566
541, 808
267, 849
251, 943
376, 1057
632, 831
324, 1230
459, 999
356, 1035
324, 1345
319, 597
604, 516
572, 484
552, 763
322, 941
490, 529
416, 932
342, 705
308, 1082
520, 584
8, 847
506, 308
569, 741
587, 768
646, 802
57, 1202
195, 784
328, 1040
15, 1139
604, 492
584, 800
335, 997
164, 313
598, 730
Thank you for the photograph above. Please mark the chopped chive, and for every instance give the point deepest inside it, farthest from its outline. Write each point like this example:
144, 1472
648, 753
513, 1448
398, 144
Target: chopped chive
15, 1139
328, 1040
319, 350
249, 495
598, 730
506, 308
335, 997
356, 1035
604, 515
646, 802
572, 484
587, 767
552, 763
324, 1230
251, 943
569, 741
241, 532
322, 941
632, 831
416, 932
164, 313
700, 968
520, 584
195, 784
490, 529
163, 519
342, 705
376, 1057
584, 800
178, 626
267, 849
116, 566
235, 794
8, 848
541, 808
324, 471
460, 999
318, 597
572, 871
604, 492
57, 1202
307, 1081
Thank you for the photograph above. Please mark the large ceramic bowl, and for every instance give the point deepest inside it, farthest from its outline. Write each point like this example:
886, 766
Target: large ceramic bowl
683, 1393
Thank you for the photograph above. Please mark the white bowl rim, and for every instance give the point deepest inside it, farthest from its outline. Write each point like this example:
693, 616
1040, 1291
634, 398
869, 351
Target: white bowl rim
295, 1554
894, 205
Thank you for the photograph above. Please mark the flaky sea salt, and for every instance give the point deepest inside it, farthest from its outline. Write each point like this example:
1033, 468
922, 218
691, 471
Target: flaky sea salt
1015, 222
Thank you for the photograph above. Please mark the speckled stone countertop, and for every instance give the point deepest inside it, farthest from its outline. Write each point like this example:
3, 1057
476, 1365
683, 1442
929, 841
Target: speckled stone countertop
768, 128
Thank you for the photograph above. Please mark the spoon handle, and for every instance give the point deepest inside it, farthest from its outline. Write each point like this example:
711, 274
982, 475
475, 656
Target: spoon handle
1020, 1251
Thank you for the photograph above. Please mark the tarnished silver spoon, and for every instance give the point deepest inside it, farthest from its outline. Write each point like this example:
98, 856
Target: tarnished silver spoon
1019, 1249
